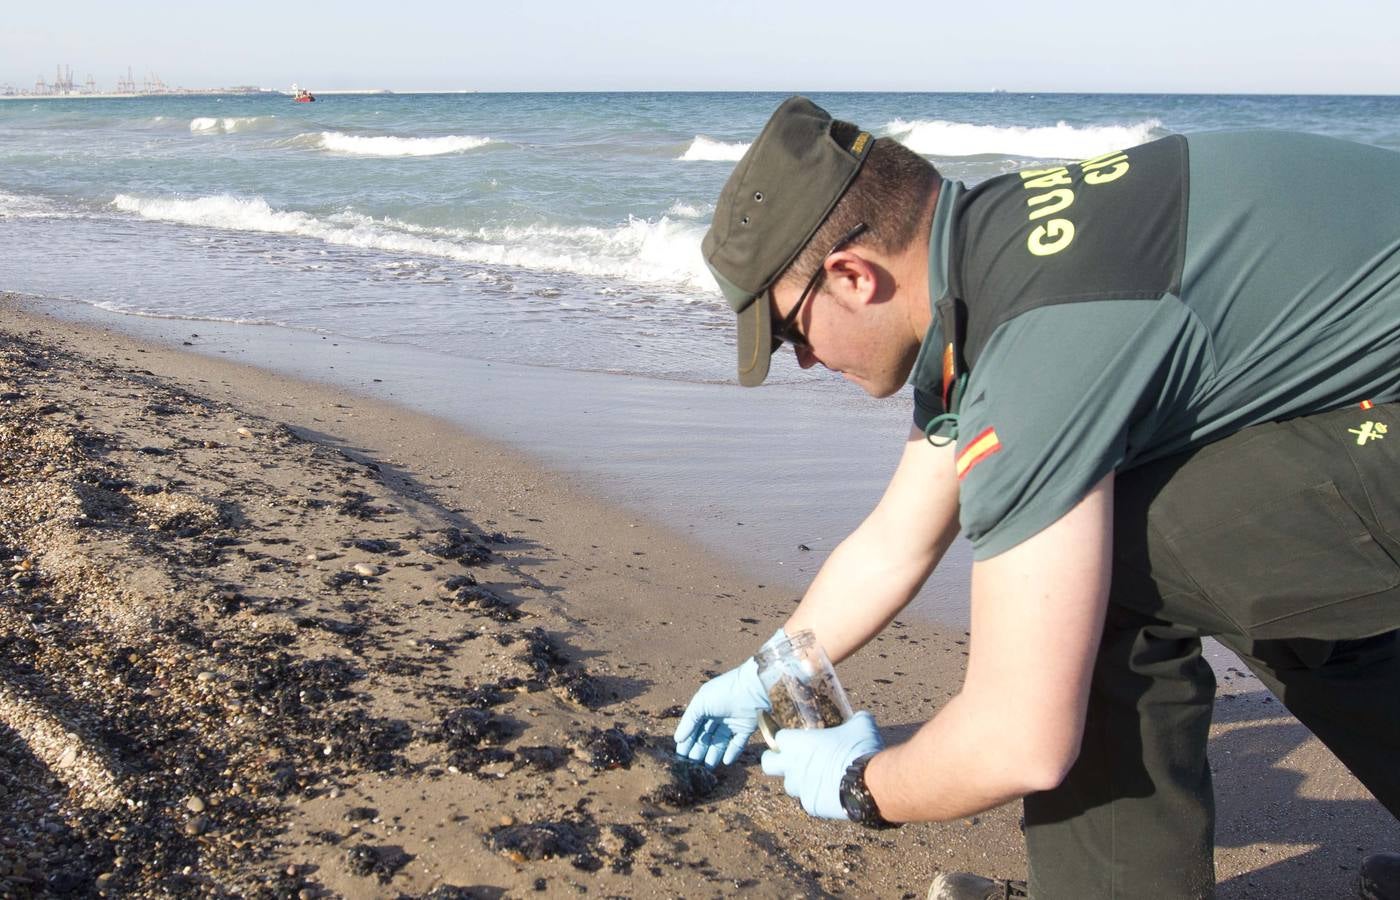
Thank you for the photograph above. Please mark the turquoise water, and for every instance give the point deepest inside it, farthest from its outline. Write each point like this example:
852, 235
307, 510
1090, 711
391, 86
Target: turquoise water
551, 229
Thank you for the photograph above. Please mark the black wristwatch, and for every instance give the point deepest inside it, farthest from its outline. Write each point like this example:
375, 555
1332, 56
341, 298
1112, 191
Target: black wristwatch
856, 799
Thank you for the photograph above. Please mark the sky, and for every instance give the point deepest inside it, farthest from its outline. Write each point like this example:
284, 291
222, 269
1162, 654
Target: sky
1182, 46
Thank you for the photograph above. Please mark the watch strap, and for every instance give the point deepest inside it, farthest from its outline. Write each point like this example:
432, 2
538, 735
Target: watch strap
856, 798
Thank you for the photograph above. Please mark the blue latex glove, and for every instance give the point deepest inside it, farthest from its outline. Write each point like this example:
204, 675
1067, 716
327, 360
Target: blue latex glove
812, 761
723, 714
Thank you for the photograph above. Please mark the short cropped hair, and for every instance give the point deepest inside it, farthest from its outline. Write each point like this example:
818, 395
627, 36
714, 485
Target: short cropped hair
891, 195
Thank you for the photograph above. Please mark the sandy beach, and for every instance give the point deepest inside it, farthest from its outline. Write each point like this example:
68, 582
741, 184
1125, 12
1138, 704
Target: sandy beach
263, 637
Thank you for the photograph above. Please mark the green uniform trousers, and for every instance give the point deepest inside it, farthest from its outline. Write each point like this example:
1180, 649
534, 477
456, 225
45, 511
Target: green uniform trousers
1282, 542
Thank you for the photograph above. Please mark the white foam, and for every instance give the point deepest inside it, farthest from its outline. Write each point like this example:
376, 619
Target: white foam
388, 145
15, 206
707, 149
223, 211
936, 137
683, 210
664, 251
126, 309
226, 125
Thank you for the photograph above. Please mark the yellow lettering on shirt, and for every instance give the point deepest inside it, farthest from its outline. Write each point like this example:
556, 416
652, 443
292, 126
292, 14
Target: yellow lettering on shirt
1107, 160
1046, 178
1050, 238
1089, 163
1097, 171
1050, 203
1055, 194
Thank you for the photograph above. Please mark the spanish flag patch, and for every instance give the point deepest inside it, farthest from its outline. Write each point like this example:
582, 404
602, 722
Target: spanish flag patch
977, 449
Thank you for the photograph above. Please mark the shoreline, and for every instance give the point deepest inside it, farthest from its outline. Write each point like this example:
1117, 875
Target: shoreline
690, 455
641, 609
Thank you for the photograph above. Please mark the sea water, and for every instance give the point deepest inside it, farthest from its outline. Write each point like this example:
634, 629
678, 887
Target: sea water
557, 232
555, 229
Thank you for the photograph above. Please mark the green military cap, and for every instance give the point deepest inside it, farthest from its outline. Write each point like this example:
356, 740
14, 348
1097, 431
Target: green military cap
774, 201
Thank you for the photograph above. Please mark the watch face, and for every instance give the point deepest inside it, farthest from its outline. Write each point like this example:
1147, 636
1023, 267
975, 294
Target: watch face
855, 799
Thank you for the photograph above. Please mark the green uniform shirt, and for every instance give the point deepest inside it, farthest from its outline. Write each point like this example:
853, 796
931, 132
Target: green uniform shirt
1152, 300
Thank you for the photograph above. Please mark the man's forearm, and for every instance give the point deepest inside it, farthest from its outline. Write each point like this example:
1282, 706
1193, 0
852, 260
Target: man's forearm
958, 764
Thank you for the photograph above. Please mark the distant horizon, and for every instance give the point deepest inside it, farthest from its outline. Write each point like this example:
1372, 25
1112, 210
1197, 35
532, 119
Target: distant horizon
237, 90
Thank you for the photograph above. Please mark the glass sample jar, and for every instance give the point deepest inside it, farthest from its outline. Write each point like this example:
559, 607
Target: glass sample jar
802, 687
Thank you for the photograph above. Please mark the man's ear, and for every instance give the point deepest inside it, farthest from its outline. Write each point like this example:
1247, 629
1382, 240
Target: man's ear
852, 279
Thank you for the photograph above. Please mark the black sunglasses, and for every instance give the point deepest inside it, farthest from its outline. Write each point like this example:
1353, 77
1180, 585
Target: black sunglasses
787, 328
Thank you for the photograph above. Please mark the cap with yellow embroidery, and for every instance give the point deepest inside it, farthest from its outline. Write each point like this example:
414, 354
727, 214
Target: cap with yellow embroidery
777, 197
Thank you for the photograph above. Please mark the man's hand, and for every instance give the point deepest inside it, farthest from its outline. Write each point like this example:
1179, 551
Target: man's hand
722, 716
813, 761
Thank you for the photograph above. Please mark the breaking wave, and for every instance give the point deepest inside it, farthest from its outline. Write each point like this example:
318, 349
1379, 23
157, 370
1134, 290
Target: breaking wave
226, 125
683, 210
664, 251
388, 145
15, 206
707, 149
1059, 141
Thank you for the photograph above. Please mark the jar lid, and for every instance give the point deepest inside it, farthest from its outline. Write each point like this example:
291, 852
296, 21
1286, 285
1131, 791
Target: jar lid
769, 729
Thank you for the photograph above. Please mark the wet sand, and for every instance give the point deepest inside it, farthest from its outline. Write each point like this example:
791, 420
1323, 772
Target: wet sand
269, 638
